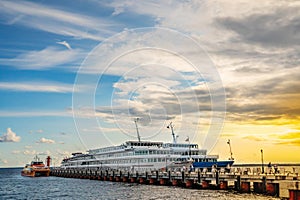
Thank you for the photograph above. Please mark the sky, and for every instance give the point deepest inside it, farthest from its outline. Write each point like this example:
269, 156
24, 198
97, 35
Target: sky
74, 75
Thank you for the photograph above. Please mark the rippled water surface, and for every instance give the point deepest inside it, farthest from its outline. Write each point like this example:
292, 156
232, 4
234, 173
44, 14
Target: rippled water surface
14, 186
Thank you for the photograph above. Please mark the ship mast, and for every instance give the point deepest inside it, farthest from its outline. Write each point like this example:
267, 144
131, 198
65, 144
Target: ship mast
228, 142
36, 158
173, 134
137, 129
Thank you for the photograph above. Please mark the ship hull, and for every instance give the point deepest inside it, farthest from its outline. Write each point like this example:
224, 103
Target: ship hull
145, 156
36, 172
218, 164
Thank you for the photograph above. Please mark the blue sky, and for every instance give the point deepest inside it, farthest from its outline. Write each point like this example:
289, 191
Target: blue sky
57, 96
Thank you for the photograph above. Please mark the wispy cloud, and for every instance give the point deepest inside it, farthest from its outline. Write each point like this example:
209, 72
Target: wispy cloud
50, 57
29, 152
254, 138
36, 131
16, 152
45, 140
290, 135
290, 138
34, 152
3, 161
10, 136
54, 20
66, 44
40, 131
37, 87
38, 113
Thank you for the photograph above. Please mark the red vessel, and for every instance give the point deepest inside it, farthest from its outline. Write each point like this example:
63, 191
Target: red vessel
37, 168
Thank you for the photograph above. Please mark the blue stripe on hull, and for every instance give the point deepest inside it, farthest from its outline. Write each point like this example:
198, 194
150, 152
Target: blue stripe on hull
210, 164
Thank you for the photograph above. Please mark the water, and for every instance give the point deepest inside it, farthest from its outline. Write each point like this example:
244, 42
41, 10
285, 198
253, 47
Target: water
14, 186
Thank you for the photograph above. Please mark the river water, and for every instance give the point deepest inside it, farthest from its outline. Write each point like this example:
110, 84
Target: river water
14, 186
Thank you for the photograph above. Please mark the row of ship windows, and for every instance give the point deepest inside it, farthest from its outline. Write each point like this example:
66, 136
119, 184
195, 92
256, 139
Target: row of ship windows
106, 149
144, 160
149, 152
103, 150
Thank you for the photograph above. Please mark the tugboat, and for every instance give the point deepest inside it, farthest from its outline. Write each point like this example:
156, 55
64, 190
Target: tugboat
37, 168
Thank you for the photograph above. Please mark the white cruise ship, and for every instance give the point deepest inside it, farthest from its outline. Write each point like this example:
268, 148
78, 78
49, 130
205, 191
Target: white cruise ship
145, 156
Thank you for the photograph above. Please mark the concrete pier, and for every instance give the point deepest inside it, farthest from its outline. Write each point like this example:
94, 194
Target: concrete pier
152, 181
245, 187
223, 185
205, 184
285, 186
294, 194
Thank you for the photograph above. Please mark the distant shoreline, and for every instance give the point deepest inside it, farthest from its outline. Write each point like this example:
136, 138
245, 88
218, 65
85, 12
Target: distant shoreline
11, 167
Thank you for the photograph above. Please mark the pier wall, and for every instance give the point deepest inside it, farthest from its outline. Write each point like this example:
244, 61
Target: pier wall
280, 185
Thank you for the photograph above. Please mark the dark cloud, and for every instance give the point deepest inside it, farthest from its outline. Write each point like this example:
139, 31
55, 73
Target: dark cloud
279, 28
252, 70
295, 112
267, 99
261, 43
262, 111
267, 118
278, 85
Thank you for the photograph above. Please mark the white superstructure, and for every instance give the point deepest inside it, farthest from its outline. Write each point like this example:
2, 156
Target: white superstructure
143, 155
139, 156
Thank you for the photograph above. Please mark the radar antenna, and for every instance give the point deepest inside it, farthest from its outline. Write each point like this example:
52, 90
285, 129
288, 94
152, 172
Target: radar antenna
173, 134
137, 129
